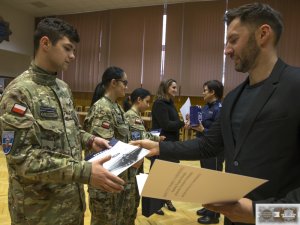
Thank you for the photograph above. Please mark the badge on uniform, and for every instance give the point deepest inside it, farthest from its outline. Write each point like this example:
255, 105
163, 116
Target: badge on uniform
19, 109
105, 125
7, 141
136, 135
48, 112
138, 121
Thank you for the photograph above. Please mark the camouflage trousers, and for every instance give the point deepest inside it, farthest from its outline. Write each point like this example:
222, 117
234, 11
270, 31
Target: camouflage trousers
31, 209
114, 209
131, 203
106, 208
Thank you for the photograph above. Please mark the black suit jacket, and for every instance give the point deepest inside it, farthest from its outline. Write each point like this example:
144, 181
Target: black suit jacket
268, 145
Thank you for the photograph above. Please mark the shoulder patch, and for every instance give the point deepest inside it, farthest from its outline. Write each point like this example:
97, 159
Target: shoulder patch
136, 135
7, 141
19, 109
105, 125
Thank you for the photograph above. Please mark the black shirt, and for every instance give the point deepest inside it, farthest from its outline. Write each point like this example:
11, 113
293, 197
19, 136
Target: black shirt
243, 106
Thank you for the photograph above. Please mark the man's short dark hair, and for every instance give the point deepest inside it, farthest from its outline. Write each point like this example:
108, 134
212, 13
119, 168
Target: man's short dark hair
257, 14
55, 29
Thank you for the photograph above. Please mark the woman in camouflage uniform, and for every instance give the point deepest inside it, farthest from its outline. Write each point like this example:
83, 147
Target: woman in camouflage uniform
106, 119
139, 99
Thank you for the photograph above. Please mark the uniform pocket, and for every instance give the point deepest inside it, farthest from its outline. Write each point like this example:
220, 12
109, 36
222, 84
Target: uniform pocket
51, 134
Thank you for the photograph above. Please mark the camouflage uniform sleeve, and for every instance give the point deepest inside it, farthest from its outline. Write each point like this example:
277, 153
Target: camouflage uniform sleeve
26, 157
85, 137
136, 124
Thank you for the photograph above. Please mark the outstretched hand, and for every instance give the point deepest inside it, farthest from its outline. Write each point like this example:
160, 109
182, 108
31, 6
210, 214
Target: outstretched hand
152, 146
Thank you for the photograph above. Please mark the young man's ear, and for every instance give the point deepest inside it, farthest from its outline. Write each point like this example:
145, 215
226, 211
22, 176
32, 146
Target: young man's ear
45, 43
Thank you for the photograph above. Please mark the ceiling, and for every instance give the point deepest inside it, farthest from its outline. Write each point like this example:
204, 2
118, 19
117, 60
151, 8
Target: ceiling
59, 7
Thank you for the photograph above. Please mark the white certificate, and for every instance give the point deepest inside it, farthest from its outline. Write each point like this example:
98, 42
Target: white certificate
185, 109
122, 156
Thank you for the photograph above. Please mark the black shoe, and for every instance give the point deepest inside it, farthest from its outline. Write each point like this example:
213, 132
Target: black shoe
201, 212
208, 220
160, 212
170, 206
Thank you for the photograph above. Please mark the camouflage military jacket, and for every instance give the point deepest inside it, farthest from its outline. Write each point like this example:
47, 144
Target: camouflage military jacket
106, 119
137, 128
44, 159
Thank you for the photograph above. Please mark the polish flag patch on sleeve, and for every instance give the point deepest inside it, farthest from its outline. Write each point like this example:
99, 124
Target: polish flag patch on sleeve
19, 109
105, 125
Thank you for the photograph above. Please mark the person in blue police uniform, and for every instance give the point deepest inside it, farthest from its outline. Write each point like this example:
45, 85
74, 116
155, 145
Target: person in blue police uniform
212, 94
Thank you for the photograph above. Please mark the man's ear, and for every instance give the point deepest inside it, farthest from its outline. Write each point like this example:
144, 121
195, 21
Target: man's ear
45, 43
265, 34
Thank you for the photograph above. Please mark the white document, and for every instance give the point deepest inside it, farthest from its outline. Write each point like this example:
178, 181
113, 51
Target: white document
141, 179
122, 157
173, 181
185, 109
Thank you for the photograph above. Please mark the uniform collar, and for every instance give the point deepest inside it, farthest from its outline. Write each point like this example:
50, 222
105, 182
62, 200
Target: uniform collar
42, 76
213, 103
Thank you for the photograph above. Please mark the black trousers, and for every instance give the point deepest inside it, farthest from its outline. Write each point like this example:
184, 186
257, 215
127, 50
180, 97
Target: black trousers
215, 163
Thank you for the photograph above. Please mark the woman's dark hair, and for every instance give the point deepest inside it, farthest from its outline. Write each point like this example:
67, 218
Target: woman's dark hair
216, 86
110, 73
163, 88
55, 29
139, 92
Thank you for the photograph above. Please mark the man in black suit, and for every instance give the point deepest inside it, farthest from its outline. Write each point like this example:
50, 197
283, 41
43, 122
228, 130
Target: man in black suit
259, 126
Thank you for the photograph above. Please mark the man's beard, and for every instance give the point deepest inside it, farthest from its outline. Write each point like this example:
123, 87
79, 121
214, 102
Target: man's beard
248, 55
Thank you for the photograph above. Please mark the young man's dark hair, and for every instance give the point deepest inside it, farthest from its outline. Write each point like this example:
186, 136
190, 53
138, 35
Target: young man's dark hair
257, 14
54, 29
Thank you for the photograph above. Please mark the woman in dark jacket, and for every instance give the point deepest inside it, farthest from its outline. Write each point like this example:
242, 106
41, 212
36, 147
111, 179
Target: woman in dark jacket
165, 118
164, 113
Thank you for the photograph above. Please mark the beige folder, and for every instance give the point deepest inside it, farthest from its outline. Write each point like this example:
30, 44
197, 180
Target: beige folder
178, 182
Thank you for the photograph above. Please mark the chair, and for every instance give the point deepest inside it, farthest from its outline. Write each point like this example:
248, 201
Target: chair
79, 108
147, 113
86, 108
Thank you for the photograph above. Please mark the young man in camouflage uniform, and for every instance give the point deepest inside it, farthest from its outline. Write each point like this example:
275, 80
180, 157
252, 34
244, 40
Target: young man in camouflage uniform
37, 116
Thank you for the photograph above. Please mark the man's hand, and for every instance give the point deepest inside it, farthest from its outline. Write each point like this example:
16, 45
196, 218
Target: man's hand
102, 179
240, 211
152, 146
100, 144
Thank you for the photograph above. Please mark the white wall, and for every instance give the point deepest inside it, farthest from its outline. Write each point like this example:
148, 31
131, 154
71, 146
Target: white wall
16, 54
